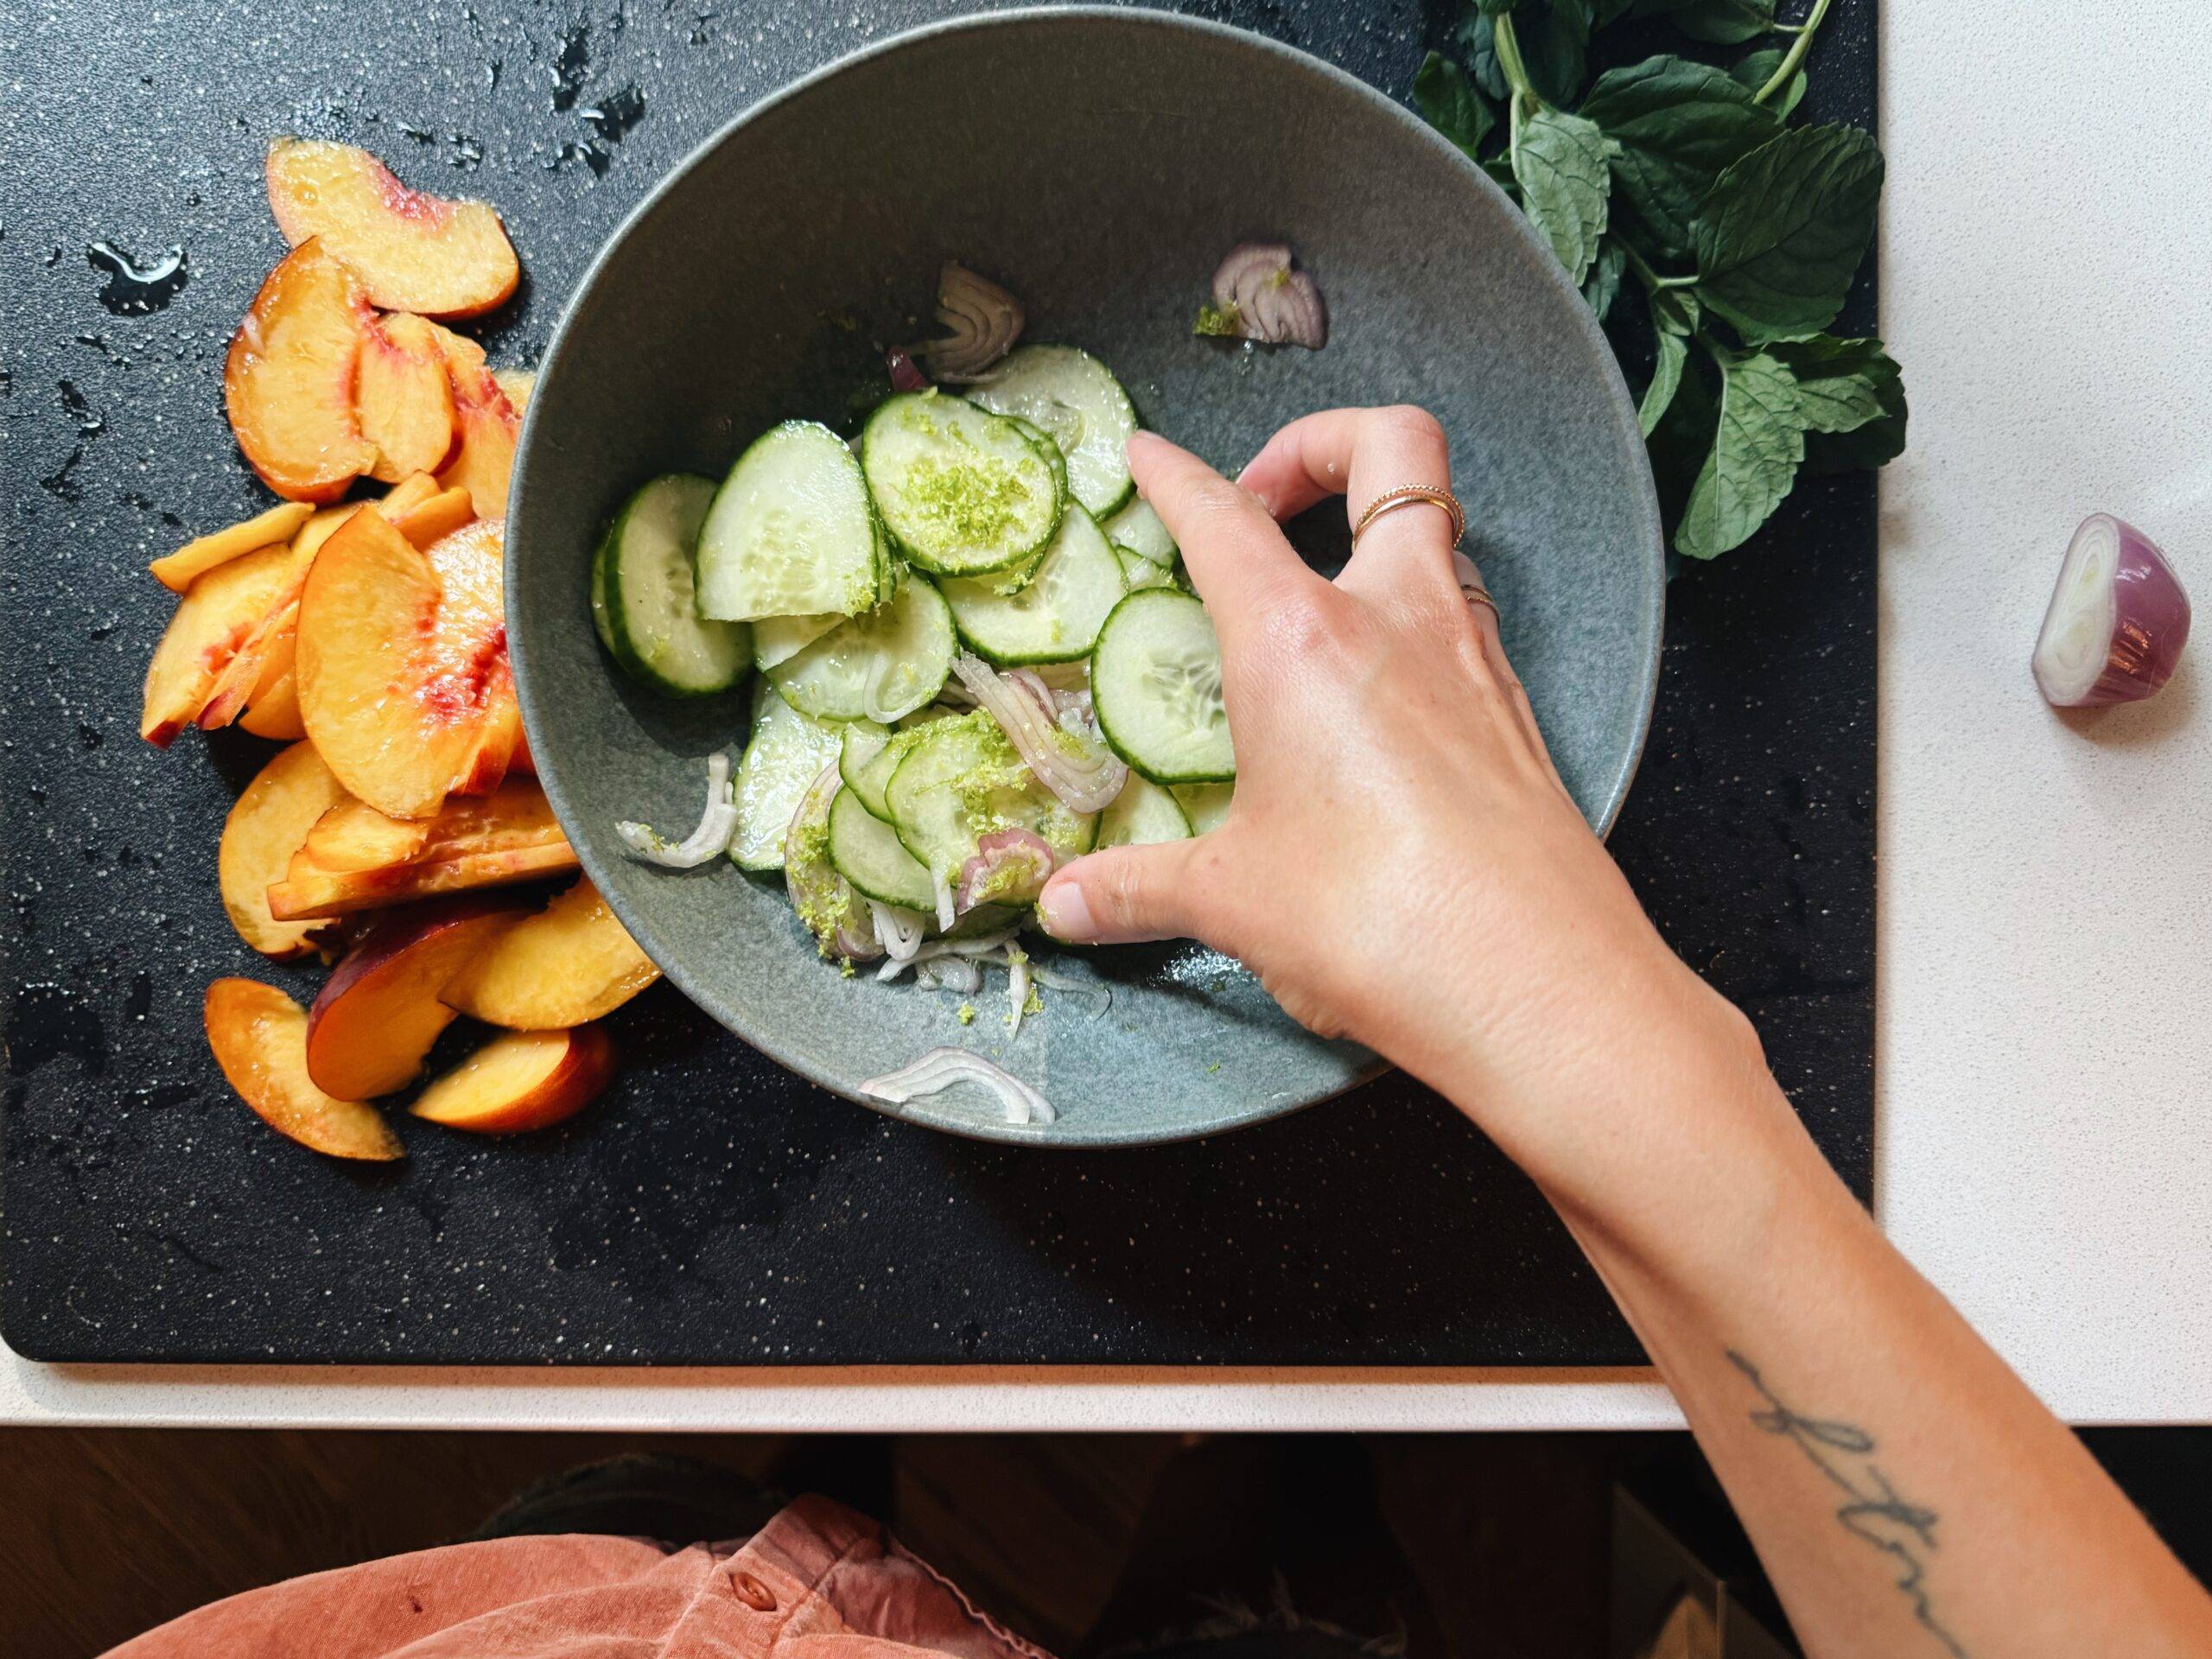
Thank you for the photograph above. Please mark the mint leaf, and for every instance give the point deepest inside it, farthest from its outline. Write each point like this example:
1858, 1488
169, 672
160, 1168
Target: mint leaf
1757, 449
1561, 164
1681, 440
1755, 71
1678, 124
1666, 381
1448, 101
1821, 366
1785, 228
1725, 23
1602, 286
1554, 38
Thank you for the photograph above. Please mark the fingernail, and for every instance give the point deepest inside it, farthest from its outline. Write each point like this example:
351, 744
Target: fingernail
1067, 911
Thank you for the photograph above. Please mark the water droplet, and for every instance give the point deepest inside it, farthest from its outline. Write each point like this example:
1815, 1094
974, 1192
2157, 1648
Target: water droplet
467, 154
134, 289
88, 419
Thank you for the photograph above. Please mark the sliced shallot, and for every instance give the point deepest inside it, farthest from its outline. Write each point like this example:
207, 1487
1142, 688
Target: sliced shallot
899, 931
2117, 622
983, 321
1009, 867
943, 1068
822, 897
1084, 774
975, 949
1258, 294
717, 824
899, 364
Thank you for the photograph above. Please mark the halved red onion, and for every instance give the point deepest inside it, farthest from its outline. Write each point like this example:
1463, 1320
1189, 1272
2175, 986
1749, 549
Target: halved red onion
855, 935
905, 375
1009, 867
1084, 774
941, 1068
983, 321
717, 824
2117, 622
1260, 296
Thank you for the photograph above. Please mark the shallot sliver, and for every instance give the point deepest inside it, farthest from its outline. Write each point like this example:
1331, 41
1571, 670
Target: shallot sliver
1084, 777
717, 826
2118, 619
943, 1068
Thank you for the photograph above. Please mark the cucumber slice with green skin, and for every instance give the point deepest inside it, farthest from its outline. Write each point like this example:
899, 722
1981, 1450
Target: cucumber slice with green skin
1155, 685
1206, 806
787, 752
1076, 399
779, 639
792, 530
643, 600
1056, 618
871, 754
861, 742
868, 853
1138, 528
1013, 580
1138, 571
962, 780
1141, 815
962, 490
879, 666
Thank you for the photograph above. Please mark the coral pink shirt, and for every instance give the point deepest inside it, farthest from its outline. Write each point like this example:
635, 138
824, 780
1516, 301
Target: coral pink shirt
818, 1582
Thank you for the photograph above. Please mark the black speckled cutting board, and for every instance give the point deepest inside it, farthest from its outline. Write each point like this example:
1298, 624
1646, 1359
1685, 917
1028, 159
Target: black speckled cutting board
714, 1208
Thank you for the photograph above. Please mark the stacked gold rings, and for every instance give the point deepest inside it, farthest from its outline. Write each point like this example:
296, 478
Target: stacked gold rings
1406, 495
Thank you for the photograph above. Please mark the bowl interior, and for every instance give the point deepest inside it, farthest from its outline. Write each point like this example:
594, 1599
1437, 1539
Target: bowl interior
1099, 164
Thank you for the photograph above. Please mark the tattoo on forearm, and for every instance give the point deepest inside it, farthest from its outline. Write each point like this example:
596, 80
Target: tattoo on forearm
1873, 1510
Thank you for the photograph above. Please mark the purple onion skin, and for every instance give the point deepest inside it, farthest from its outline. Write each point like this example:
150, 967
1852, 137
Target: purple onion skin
904, 375
2151, 617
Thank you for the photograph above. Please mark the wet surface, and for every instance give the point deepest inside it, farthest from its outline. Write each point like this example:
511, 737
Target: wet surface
713, 1207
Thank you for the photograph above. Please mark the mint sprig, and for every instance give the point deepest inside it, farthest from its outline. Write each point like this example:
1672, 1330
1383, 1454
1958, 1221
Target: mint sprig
1744, 231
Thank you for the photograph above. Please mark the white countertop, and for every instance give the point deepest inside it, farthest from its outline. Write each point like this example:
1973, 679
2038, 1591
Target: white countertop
2044, 1140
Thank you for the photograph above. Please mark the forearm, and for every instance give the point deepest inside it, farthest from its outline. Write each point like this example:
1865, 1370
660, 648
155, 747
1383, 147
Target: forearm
1907, 1492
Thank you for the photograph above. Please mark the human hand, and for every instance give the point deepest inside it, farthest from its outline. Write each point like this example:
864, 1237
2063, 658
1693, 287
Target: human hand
1400, 864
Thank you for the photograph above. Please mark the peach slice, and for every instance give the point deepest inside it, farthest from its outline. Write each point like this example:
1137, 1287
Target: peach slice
291, 376
405, 399
524, 1080
225, 610
271, 820
571, 963
259, 1037
402, 660
517, 384
272, 708
378, 1012
416, 252
176, 571
356, 858
431, 520
249, 667
489, 426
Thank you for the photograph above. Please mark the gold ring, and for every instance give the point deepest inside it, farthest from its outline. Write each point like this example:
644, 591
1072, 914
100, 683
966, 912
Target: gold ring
1406, 495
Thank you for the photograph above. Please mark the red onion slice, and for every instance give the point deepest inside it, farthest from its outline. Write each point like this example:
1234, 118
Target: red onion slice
982, 320
1009, 867
1084, 776
1257, 295
941, 1068
905, 375
717, 824
2117, 622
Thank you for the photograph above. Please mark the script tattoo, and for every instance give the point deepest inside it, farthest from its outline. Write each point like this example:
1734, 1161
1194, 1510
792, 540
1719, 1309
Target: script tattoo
1872, 1510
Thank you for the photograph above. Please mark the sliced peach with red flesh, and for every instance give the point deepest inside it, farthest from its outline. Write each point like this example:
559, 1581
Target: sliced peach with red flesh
272, 708
270, 822
404, 400
176, 571
430, 521
414, 251
518, 385
402, 659
495, 840
290, 377
259, 1037
489, 426
571, 963
226, 609
249, 667
524, 1080
378, 1012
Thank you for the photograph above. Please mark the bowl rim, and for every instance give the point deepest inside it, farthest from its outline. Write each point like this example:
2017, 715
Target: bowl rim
1653, 621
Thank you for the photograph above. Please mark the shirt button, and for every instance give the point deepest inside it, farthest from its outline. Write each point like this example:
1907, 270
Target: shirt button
753, 1593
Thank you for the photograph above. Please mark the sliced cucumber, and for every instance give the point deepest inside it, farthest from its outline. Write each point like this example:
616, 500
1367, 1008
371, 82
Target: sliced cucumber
1141, 814
1205, 804
1056, 618
965, 491
861, 742
879, 666
1138, 571
792, 531
1155, 684
642, 596
1021, 575
778, 638
1137, 527
871, 754
787, 752
1076, 399
963, 779
867, 853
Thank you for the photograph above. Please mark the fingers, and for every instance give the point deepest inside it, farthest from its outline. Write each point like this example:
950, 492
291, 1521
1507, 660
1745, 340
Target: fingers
1234, 550
1124, 894
1361, 455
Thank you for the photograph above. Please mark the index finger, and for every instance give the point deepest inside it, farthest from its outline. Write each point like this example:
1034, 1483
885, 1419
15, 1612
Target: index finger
1233, 549
1363, 454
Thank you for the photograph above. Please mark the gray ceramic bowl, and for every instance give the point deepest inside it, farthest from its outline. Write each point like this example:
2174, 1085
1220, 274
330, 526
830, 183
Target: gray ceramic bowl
1099, 163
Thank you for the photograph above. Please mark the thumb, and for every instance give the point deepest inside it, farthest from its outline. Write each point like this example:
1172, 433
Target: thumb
1122, 895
